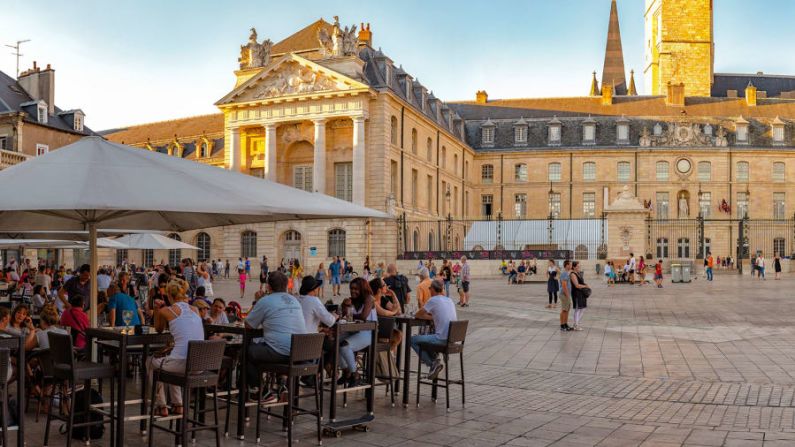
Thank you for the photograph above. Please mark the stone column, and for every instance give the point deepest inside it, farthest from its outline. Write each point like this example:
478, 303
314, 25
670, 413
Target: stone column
626, 226
234, 149
358, 160
270, 153
319, 166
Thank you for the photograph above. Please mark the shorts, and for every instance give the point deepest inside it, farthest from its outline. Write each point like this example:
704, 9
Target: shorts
465, 286
565, 302
335, 280
656, 276
631, 271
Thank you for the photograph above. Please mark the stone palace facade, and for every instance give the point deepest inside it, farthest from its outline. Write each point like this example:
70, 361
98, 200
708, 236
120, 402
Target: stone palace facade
324, 110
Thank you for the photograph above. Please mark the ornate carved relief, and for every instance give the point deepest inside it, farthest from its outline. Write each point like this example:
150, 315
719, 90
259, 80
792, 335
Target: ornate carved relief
292, 78
680, 134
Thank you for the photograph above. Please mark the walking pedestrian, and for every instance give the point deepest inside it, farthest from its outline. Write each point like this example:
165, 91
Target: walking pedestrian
552, 284
465, 278
320, 277
658, 275
241, 276
710, 262
263, 272
777, 266
226, 269
580, 294
447, 276
565, 296
760, 266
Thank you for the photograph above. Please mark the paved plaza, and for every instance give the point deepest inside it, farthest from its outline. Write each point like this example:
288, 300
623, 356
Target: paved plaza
700, 364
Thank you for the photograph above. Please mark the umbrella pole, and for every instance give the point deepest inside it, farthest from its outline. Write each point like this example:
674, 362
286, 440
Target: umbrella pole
92, 248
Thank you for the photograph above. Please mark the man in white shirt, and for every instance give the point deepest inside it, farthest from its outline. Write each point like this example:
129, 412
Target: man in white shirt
314, 311
441, 310
632, 268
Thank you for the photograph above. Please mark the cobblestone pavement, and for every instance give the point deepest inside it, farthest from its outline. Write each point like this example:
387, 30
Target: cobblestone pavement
700, 364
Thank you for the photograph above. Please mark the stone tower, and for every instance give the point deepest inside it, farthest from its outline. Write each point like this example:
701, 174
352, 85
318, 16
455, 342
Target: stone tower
613, 71
679, 46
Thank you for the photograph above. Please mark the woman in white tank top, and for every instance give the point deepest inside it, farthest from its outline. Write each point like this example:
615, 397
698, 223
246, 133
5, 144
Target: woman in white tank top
185, 325
205, 281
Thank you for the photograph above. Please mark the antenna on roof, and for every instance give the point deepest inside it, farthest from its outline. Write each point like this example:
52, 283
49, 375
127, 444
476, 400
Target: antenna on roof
16, 52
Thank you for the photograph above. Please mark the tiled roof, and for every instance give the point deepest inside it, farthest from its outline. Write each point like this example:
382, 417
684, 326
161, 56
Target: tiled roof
303, 40
193, 126
13, 98
773, 85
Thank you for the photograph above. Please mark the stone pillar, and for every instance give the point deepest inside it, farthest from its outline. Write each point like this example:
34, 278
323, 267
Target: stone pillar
626, 226
358, 160
319, 167
234, 149
270, 153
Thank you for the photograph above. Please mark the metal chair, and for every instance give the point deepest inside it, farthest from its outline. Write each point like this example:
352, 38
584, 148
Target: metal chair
456, 336
5, 355
202, 369
306, 354
67, 369
386, 326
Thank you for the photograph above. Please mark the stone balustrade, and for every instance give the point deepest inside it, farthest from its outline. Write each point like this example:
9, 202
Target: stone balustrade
11, 158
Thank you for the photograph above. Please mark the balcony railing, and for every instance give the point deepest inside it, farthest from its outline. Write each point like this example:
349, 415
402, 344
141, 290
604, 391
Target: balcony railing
11, 158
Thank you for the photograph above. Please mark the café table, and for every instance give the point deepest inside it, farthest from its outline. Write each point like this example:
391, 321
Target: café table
247, 334
121, 340
17, 344
407, 323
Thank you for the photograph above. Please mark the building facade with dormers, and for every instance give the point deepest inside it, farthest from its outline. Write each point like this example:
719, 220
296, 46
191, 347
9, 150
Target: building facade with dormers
323, 110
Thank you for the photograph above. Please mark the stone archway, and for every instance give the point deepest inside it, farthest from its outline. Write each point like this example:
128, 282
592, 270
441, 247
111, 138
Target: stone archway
295, 165
291, 245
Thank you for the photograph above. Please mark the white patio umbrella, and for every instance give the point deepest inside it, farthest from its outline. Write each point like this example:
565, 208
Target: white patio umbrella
94, 183
57, 243
149, 241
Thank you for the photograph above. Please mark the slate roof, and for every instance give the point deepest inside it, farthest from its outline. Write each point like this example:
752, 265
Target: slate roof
13, 98
303, 40
773, 85
191, 127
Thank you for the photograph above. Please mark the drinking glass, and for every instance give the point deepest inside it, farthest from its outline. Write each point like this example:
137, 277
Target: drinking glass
127, 316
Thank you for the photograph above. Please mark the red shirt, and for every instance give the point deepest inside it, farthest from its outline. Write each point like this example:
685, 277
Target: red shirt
76, 319
658, 269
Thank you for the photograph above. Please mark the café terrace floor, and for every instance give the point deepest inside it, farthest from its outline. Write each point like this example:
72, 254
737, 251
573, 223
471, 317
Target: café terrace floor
701, 364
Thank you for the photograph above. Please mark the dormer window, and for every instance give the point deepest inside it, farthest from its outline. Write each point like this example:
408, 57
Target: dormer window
520, 132
742, 131
77, 125
487, 131
622, 131
589, 131
41, 109
777, 127
554, 132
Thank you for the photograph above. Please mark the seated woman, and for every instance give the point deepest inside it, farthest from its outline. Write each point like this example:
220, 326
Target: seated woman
364, 309
75, 317
386, 305
217, 312
185, 325
21, 325
512, 273
39, 298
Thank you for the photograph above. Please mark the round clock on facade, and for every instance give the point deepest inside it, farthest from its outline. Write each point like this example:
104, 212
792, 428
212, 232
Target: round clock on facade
683, 166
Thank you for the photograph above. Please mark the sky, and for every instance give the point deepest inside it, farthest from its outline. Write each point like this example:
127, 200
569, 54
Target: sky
127, 62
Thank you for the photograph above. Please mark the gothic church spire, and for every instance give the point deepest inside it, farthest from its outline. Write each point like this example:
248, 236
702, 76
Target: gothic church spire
613, 72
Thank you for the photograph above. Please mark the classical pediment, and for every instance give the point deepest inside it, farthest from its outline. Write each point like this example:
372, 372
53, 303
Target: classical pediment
291, 76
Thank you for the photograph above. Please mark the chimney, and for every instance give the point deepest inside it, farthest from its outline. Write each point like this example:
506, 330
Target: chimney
40, 85
750, 95
365, 35
481, 97
676, 95
607, 94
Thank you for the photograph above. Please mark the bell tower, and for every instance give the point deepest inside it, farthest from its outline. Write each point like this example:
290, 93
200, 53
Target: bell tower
679, 46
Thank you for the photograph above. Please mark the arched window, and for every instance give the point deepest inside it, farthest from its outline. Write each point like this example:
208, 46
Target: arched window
487, 174
662, 171
443, 161
174, 256
455, 163
416, 241
477, 248
248, 244
414, 141
662, 248
393, 130
429, 149
336, 243
581, 252
430, 241
204, 149
554, 172
203, 242
683, 248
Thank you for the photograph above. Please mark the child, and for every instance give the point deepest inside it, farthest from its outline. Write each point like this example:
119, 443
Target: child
608, 272
242, 277
658, 274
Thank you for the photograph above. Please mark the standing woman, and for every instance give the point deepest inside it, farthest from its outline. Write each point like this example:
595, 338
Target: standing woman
777, 266
297, 274
204, 280
320, 276
580, 293
552, 284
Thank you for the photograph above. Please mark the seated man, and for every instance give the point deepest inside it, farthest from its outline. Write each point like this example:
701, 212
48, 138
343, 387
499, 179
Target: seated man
512, 273
280, 316
441, 310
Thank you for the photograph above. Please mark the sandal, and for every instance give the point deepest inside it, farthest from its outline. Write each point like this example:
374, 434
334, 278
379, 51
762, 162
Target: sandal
177, 409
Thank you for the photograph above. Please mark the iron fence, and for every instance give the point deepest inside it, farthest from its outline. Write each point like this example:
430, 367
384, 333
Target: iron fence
503, 238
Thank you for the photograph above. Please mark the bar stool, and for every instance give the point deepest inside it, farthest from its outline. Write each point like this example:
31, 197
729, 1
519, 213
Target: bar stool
202, 368
456, 336
386, 325
5, 355
306, 354
66, 368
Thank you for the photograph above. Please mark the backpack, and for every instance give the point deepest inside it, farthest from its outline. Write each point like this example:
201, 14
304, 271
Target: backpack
94, 431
